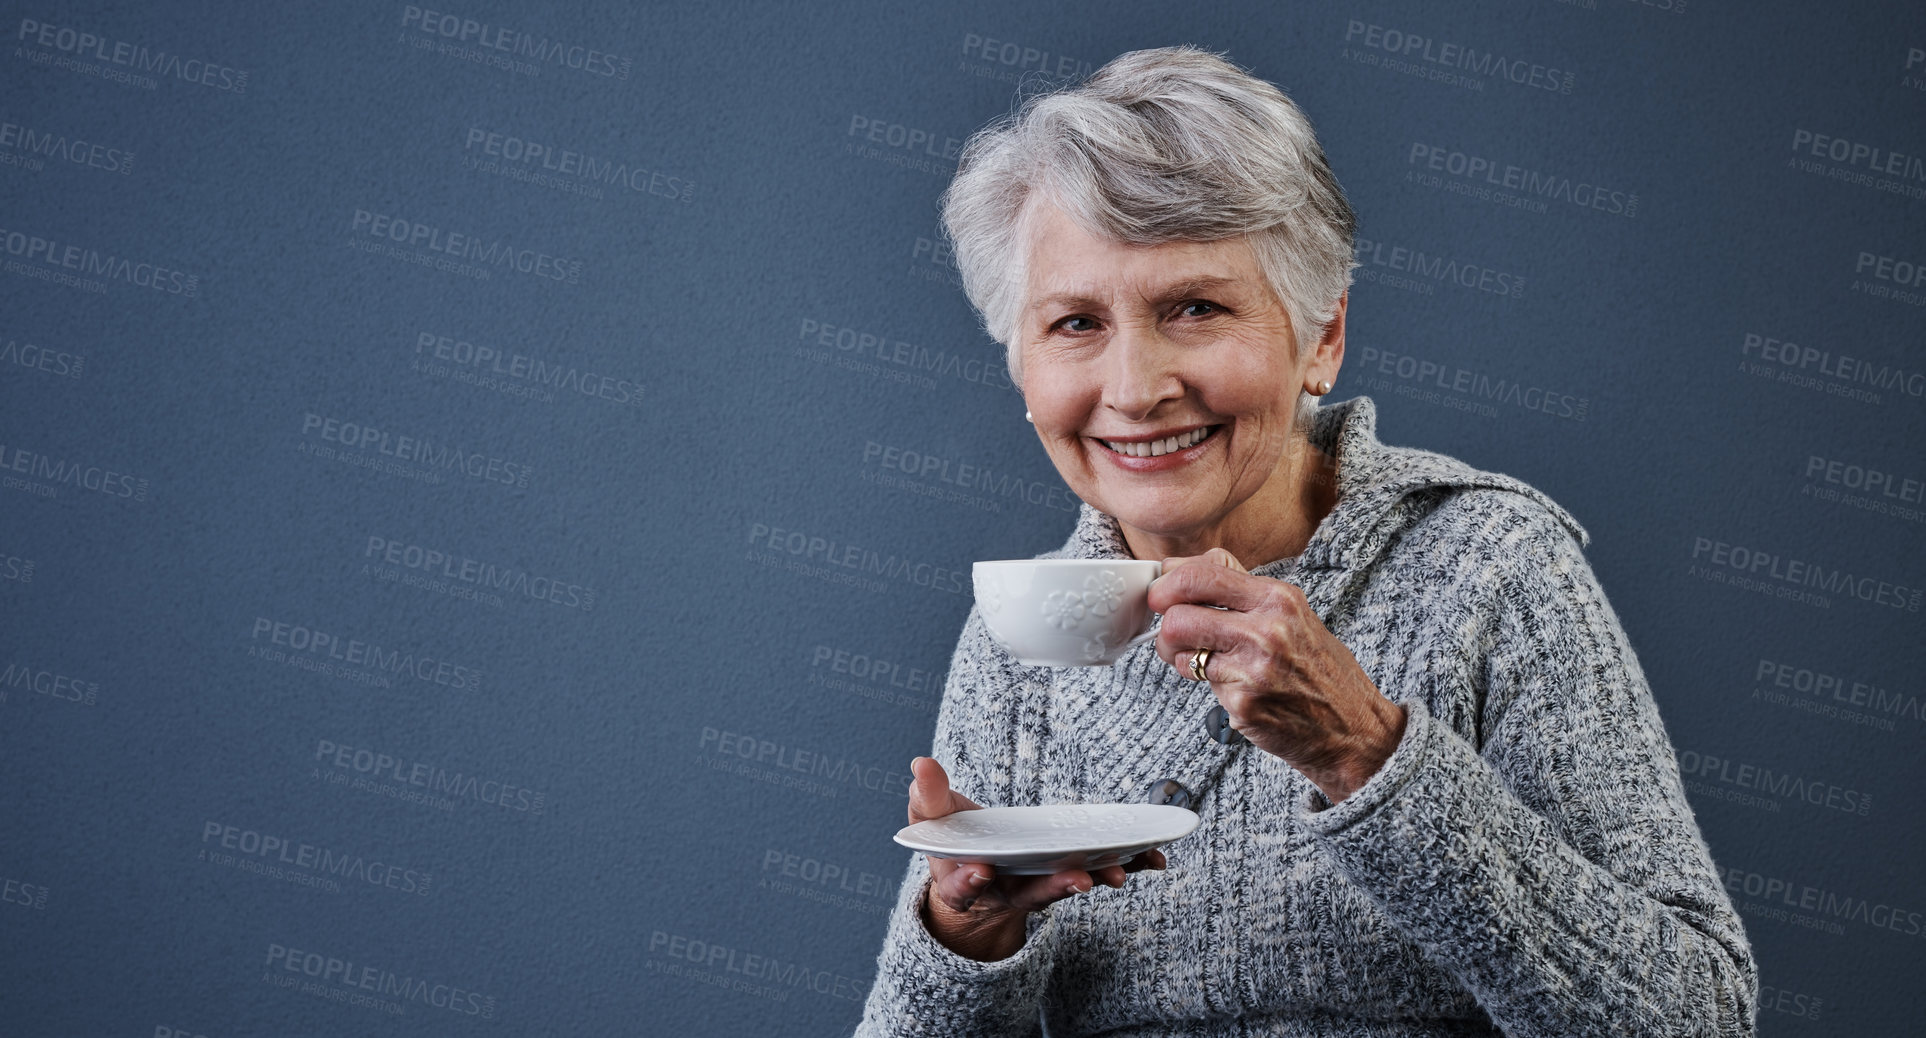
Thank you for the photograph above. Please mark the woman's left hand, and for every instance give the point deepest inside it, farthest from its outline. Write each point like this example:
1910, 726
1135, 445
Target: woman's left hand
1288, 684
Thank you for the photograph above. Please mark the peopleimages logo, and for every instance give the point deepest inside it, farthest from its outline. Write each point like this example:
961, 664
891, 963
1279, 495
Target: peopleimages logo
42, 358
1435, 268
20, 674
441, 786
517, 374
1791, 1003
1798, 360
1748, 776
484, 36
25, 144
853, 560
13, 567
265, 853
864, 667
879, 680
318, 649
445, 457
1490, 64
1858, 702
1891, 268
1020, 59
476, 574
488, 253
329, 970
81, 267
1517, 185
825, 882
1857, 162
522, 159
901, 145
946, 479
27, 895
789, 865
1753, 566
766, 759
1829, 908
1472, 385
1865, 479
1904, 280
58, 472
736, 969
895, 359
906, 138
82, 45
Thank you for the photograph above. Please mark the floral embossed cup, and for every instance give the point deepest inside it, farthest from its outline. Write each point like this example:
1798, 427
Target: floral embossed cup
1066, 612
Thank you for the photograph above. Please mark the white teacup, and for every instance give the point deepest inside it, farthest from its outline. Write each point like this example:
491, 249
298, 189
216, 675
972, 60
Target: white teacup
1066, 612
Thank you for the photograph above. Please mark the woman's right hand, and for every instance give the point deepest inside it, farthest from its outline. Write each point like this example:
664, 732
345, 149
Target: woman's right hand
972, 910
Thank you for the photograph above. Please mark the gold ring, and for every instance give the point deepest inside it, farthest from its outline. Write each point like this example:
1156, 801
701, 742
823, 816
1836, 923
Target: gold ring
1198, 661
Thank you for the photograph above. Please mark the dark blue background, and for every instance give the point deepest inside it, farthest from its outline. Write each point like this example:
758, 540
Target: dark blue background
574, 917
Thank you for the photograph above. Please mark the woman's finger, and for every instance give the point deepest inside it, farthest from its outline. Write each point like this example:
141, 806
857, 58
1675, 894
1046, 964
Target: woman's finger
930, 792
1152, 859
1213, 585
1047, 890
964, 884
964, 887
1214, 557
973, 883
1187, 628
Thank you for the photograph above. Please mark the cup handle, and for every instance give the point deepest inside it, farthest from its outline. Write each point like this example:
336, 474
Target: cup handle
1149, 635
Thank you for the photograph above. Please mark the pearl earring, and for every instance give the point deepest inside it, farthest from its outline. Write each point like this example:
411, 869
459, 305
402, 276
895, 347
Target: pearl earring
1029, 418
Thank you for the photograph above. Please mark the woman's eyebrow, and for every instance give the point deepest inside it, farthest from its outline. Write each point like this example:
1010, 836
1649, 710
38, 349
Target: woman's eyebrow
1203, 284
1065, 301
1185, 289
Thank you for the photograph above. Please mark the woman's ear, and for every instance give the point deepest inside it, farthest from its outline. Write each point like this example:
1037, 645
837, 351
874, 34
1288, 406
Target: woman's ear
1330, 346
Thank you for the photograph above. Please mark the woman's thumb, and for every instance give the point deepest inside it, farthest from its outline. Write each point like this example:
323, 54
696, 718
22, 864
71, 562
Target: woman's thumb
929, 792
1223, 557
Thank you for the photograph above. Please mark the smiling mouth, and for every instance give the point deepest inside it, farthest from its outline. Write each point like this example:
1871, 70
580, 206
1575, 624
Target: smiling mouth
1159, 448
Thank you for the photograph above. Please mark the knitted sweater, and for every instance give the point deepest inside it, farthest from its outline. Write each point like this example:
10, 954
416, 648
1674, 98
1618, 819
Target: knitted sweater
1525, 862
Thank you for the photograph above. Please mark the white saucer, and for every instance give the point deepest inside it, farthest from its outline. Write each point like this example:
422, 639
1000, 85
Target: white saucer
1037, 841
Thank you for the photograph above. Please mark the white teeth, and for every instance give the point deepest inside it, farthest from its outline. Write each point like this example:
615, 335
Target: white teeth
1159, 448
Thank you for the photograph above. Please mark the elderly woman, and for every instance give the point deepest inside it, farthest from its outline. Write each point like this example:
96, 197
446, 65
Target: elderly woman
1436, 797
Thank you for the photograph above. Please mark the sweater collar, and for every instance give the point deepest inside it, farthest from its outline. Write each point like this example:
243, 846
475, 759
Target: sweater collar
1374, 481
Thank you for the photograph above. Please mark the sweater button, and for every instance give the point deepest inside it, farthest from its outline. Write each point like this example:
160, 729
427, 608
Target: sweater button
1172, 792
1217, 725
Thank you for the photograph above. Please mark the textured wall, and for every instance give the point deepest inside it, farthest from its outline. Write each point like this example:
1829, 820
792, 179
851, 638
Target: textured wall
488, 493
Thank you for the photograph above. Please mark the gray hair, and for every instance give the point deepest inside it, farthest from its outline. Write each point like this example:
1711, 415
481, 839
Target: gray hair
1164, 145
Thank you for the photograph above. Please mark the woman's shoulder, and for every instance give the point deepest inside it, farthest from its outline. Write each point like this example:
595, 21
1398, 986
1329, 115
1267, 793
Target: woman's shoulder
1509, 516
1453, 501
1499, 551
1491, 539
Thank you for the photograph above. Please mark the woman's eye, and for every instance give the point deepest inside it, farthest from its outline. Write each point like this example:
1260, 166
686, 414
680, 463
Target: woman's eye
1198, 308
1077, 324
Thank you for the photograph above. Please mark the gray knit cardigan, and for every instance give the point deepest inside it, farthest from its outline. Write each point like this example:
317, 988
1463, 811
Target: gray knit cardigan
1525, 863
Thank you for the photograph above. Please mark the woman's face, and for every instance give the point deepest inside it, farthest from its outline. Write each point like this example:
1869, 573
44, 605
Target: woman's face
1161, 378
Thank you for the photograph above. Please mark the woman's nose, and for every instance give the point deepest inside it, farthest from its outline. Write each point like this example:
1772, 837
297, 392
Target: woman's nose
1142, 372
